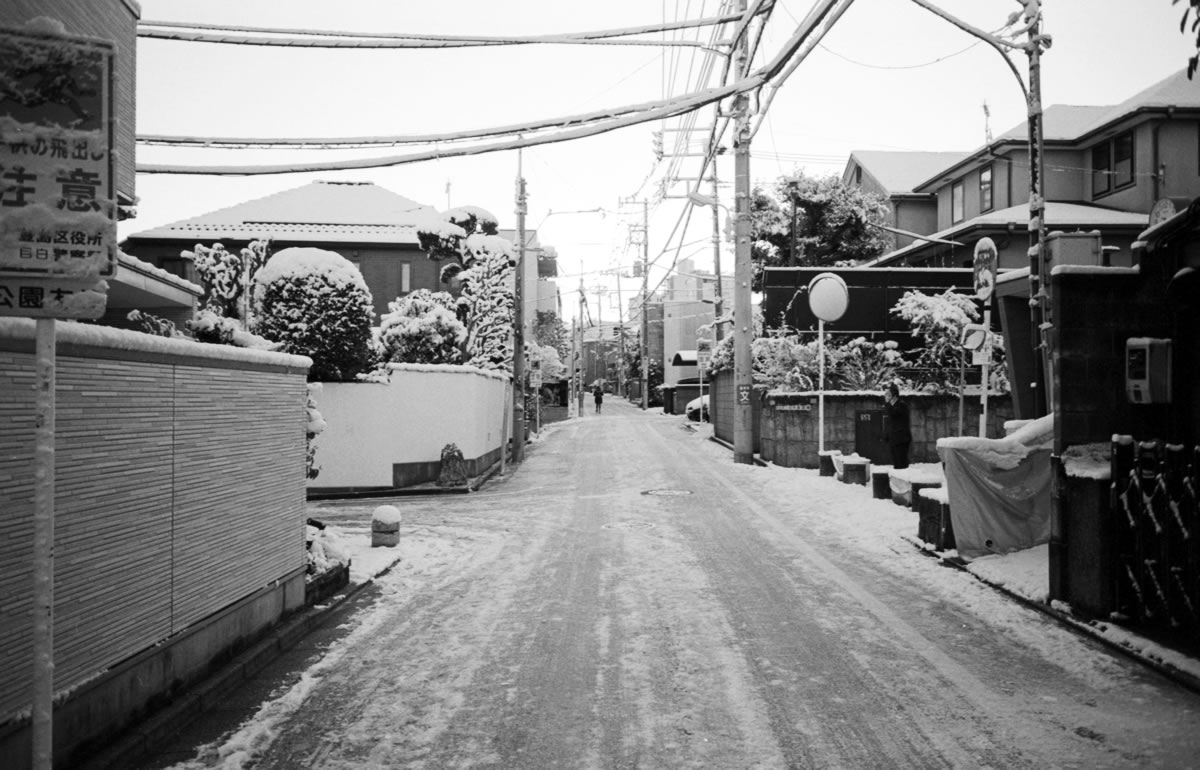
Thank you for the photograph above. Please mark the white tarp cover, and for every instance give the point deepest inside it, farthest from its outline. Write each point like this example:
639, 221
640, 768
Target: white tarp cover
1000, 489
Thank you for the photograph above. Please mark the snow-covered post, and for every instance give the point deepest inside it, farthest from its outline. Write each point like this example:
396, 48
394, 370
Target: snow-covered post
43, 549
985, 282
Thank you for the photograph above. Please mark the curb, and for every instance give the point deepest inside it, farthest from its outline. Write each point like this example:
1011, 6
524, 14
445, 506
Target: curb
138, 744
1085, 629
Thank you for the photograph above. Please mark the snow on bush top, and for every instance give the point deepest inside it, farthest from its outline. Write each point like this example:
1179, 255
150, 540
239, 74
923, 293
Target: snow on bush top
122, 339
300, 262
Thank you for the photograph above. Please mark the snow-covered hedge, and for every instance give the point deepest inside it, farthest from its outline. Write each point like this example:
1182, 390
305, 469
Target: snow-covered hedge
315, 303
422, 328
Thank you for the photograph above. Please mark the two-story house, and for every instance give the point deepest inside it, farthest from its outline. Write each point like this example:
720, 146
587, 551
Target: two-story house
894, 175
1105, 169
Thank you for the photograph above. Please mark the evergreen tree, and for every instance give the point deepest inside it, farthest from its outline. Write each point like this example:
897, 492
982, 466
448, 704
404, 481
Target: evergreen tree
833, 224
316, 304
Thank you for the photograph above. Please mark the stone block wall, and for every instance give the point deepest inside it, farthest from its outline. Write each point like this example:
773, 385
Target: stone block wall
790, 423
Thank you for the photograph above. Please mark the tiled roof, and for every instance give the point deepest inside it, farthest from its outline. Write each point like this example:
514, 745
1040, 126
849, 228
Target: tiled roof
1059, 216
1070, 122
326, 211
900, 172
1060, 123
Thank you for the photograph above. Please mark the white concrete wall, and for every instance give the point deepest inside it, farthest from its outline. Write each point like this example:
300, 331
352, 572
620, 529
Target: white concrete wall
371, 426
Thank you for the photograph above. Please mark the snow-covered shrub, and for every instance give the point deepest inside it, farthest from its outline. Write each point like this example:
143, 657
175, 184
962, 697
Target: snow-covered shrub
860, 364
939, 321
326, 550
314, 425
152, 324
479, 274
223, 275
487, 303
209, 327
316, 304
422, 328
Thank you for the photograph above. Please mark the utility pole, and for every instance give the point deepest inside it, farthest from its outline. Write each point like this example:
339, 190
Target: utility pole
1037, 219
579, 370
718, 290
518, 432
743, 331
645, 303
620, 339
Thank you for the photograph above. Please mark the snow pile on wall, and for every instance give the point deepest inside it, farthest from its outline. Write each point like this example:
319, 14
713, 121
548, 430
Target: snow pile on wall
75, 333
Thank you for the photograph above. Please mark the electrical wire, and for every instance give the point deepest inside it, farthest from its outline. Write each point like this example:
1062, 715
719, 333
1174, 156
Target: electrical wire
899, 66
304, 38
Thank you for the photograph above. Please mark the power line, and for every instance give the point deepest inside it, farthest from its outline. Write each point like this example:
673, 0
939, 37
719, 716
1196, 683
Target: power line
897, 66
306, 38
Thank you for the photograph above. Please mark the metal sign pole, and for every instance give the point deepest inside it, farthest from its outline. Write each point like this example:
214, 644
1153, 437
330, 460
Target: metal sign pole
987, 349
43, 550
821, 386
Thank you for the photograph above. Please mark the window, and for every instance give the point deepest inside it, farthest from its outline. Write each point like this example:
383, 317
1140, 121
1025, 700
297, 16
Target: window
1122, 160
405, 277
985, 189
1100, 167
1112, 164
956, 202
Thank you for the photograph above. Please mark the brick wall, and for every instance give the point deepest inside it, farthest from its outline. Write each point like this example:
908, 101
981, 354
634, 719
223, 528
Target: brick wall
179, 491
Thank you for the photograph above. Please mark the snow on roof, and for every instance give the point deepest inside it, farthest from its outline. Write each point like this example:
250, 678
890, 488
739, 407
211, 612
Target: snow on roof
332, 211
133, 263
900, 172
1061, 123
1059, 216
123, 339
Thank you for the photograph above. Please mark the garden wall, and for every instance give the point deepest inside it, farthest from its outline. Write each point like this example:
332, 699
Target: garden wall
853, 422
391, 435
179, 515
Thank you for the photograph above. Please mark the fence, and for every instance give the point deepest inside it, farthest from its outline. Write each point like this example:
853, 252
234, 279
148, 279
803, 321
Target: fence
179, 492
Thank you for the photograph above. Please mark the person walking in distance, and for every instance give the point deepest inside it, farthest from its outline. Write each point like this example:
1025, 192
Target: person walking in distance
598, 395
897, 431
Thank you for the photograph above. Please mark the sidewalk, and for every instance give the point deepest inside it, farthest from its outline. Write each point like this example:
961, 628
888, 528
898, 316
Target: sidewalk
1019, 576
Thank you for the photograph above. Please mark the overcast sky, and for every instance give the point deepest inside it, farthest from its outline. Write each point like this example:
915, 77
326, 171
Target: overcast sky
890, 75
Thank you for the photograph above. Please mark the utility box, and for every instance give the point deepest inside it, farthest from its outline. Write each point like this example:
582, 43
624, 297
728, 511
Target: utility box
868, 437
1148, 370
1074, 249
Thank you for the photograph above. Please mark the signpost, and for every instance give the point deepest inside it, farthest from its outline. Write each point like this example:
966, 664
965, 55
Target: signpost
58, 243
703, 356
828, 299
985, 283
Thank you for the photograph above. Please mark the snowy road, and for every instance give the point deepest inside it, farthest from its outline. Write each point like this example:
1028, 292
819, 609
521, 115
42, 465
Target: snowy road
631, 598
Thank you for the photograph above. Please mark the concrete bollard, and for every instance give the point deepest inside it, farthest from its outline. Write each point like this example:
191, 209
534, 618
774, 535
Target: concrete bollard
385, 526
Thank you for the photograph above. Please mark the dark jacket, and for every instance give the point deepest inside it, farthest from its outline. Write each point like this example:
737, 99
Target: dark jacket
598, 394
896, 423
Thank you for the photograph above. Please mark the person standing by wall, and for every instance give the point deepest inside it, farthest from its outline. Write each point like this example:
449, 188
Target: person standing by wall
896, 427
598, 394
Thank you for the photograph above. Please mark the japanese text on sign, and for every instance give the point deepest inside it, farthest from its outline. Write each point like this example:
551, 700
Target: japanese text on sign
57, 213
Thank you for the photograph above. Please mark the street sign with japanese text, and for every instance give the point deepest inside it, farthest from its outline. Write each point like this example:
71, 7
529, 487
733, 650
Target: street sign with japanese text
743, 395
58, 239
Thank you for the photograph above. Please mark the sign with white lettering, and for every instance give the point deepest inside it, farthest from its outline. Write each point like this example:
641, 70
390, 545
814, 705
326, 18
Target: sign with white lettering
58, 235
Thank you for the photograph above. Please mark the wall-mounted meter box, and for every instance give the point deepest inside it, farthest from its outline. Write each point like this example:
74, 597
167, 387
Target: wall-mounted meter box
1148, 370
